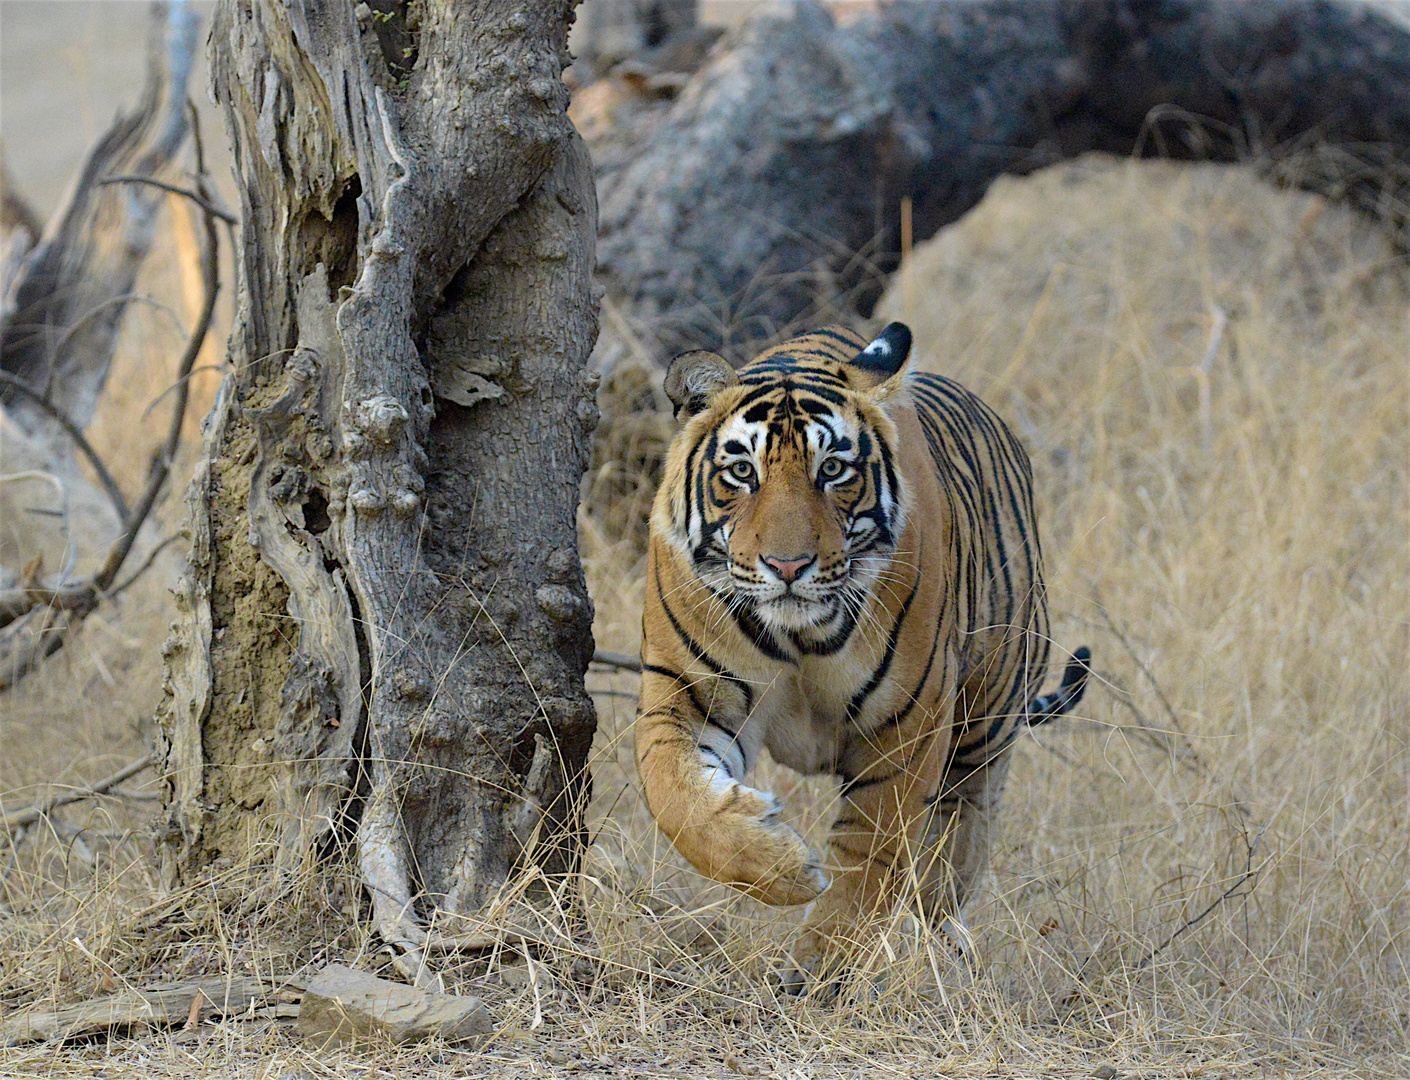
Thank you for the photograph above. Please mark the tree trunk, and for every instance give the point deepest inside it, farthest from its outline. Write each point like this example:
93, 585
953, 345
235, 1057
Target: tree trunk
769, 195
384, 624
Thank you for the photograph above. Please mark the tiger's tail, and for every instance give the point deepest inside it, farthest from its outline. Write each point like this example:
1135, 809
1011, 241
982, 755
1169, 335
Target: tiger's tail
1047, 707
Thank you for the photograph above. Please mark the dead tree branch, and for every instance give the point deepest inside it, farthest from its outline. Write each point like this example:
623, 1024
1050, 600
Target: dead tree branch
62, 317
81, 442
38, 618
205, 203
18, 819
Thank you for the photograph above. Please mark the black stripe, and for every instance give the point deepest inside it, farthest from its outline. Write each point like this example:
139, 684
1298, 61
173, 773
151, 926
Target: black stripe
847, 338
689, 687
898, 718
734, 735
839, 637
719, 760
859, 699
698, 651
757, 633
854, 784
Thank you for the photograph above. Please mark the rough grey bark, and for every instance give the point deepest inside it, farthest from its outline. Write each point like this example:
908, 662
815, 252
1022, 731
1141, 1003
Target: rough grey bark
769, 194
385, 625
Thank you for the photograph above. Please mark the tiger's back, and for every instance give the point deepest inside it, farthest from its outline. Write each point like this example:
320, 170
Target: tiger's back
844, 568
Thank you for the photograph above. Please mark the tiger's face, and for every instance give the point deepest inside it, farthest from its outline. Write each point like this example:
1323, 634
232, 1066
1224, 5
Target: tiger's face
781, 488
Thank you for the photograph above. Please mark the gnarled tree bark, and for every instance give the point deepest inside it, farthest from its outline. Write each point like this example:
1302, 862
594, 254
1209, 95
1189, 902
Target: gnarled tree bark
385, 625
769, 194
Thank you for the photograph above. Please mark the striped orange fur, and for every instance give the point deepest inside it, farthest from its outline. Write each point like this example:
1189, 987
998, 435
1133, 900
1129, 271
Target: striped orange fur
844, 568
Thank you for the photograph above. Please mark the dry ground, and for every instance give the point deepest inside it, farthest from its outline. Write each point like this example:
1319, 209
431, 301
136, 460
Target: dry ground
1204, 874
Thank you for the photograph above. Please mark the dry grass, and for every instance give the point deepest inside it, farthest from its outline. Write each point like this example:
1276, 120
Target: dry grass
1205, 874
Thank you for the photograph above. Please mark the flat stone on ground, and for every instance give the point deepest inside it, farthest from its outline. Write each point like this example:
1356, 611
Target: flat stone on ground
343, 1006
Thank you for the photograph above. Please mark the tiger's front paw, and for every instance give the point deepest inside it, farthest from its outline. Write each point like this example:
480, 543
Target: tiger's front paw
775, 865
805, 973
802, 885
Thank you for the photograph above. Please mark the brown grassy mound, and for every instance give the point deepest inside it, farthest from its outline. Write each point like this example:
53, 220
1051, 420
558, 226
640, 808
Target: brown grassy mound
1204, 874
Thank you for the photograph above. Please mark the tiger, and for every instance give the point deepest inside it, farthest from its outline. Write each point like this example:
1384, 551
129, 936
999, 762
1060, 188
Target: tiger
844, 569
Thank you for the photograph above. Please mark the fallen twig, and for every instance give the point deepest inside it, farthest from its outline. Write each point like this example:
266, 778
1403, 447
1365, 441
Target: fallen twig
1250, 873
30, 814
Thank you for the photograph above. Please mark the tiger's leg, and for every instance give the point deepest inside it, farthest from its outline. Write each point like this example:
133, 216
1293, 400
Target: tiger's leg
695, 741
958, 839
887, 776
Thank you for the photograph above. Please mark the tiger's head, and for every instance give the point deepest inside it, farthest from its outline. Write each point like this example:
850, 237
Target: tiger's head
781, 487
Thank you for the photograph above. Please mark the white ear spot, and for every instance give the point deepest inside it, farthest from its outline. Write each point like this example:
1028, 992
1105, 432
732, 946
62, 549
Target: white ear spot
887, 353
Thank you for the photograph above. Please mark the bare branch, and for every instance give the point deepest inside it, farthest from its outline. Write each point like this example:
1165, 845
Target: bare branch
616, 660
210, 280
65, 311
146, 565
72, 431
30, 814
200, 200
68, 605
1250, 875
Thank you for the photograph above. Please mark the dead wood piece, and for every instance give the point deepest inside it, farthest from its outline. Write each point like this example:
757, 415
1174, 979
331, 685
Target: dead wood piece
342, 1007
60, 320
30, 814
159, 1006
405, 215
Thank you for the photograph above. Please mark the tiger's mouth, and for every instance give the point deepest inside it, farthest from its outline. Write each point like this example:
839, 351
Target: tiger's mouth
800, 605
792, 611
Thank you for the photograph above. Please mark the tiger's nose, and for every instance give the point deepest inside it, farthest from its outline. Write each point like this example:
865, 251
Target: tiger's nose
788, 569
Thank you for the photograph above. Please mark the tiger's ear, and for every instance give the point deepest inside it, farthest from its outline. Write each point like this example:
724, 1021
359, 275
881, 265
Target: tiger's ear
881, 363
694, 378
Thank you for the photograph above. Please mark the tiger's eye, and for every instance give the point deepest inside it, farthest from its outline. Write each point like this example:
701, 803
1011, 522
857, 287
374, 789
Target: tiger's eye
832, 468
742, 470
